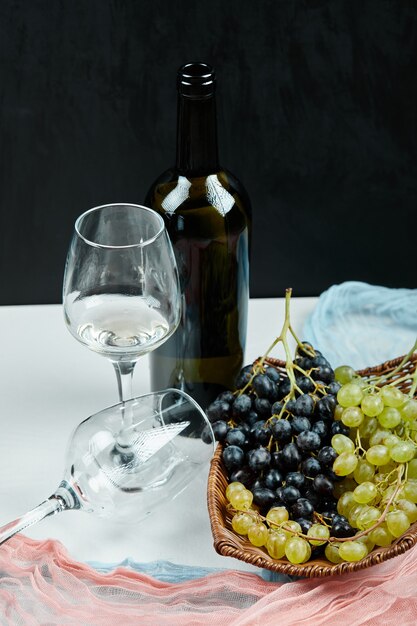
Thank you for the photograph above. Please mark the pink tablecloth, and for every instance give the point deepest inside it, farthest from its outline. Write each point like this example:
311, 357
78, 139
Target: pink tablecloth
41, 584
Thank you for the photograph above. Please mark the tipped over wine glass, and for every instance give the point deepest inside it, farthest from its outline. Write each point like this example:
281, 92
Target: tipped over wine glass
170, 440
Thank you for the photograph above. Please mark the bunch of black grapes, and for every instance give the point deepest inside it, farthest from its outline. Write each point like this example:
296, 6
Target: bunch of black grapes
277, 441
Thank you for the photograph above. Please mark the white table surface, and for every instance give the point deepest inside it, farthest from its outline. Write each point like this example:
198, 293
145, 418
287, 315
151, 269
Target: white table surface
49, 383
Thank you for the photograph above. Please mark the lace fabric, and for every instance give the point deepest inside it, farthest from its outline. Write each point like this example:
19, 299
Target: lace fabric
41, 585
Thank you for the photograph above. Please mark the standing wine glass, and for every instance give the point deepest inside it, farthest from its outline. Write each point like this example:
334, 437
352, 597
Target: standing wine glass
121, 292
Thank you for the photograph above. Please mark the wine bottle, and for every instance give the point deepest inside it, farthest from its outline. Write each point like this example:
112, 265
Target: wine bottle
208, 217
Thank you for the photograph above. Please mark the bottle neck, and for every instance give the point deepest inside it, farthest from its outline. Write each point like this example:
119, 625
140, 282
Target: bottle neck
197, 153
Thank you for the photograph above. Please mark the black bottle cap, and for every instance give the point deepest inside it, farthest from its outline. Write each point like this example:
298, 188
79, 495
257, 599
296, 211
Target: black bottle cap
196, 80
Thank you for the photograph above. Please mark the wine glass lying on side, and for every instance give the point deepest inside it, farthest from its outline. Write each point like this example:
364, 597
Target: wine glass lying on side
170, 440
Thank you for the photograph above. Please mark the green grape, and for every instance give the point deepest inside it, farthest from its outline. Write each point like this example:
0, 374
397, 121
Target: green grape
297, 550
368, 517
378, 455
331, 552
397, 523
409, 508
241, 522
320, 532
258, 534
341, 443
392, 396
233, 488
408, 410
378, 437
367, 541
391, 440
275, 544
352, 416
364, 471
368, 427
403, 452
345, 503
345, 463
389, 417
409, 490
381, 536
353, 550
337, 415
365, 492
412, 469
241, 499
349, 395
277, 515
386, 469
354, 513
344, 374
290, 528
372, 405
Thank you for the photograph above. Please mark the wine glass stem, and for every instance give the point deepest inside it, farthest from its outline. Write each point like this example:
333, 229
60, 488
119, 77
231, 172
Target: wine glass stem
124, 375
50, 506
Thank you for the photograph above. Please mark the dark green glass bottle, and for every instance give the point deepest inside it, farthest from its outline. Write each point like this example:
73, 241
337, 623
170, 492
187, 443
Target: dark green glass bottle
207, 214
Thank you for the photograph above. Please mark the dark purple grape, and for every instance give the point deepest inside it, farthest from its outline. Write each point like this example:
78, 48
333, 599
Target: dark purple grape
218, 410
296, 479
323, 485
305, 384
284, 388
260, 433
320, 360
304, 362
281, 430
304, 405
327, 504
320, 428
323, 373
312, 497
251, 418
207, 434
327, 455
291, 456
273, 478
290, 494
278, 461
236, 437
325, 408
339, 428
302, 508
342, 529
299, 424
276, 408
233, 458
304, 523
244, 376
273, 374
310, 467
263, 386
333, 388
263, 407
290, 406
263, 497
220, 430
308, 441
305, 349
241, 406
243, 475
226, 396
259, 459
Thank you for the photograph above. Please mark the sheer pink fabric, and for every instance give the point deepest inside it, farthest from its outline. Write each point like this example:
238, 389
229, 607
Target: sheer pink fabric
41, 584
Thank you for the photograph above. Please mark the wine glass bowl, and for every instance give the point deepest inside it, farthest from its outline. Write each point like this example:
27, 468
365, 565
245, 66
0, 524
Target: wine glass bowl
166, 452
121, 291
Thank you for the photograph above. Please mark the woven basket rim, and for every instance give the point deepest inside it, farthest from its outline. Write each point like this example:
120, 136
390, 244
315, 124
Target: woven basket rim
228, 543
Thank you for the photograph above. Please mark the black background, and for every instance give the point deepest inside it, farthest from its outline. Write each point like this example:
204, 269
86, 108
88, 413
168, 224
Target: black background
317, 116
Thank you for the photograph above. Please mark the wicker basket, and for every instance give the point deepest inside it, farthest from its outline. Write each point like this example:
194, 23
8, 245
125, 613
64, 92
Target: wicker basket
228, 543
